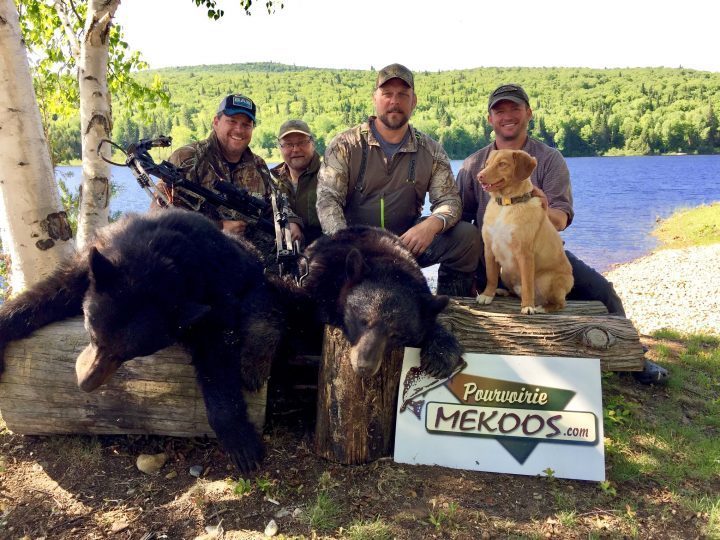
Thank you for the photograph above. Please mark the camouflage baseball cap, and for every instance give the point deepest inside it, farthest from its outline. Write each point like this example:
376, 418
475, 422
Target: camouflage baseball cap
294, 126
509, 92
237, 104
395, 71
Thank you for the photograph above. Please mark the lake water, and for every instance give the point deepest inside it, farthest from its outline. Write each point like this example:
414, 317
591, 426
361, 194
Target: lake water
618, 200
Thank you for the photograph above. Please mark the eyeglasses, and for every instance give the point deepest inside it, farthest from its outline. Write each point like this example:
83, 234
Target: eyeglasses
292, 146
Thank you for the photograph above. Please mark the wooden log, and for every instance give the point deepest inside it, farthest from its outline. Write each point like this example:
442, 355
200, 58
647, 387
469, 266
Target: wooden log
355, 415
156, 394
580, 330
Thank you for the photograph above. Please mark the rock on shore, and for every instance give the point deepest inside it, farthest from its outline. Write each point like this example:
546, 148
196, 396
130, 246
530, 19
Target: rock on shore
672, 288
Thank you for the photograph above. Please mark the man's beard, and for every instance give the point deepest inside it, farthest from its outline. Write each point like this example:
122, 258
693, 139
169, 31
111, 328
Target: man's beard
404, 119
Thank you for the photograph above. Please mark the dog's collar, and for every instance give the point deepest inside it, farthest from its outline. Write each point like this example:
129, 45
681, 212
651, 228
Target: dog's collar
507, 201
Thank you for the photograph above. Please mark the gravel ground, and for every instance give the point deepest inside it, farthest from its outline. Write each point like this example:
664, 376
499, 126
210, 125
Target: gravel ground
672, 288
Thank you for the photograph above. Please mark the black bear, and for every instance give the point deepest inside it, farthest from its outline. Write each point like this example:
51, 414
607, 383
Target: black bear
366, 282
152, 280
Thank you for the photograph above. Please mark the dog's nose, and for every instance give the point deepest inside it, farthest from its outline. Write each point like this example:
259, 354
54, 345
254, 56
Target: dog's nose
481, 175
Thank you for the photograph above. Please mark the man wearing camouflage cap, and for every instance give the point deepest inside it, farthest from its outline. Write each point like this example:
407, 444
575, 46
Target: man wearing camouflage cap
299, 171
379, 173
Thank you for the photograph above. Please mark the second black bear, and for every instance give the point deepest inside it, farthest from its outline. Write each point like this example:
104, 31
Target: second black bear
152, 280
367, 283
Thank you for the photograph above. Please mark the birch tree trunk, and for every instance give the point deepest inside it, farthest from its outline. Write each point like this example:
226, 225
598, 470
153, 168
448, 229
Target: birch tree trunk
95, 118
34, 228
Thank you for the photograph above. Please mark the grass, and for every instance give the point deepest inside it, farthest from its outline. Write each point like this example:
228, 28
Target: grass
670, 438
690, 227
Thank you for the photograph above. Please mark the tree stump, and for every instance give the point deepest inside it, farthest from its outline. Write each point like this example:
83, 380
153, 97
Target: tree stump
156, 394
355, 415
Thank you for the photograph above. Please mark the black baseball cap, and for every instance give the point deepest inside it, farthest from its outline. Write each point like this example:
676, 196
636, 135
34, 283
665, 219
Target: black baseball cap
237, 104
509, 92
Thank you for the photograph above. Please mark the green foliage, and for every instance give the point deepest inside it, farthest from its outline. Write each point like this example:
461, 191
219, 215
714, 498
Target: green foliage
581, 111
607, 488
54, 53
242, 487
324, 514
443, 516
369, 530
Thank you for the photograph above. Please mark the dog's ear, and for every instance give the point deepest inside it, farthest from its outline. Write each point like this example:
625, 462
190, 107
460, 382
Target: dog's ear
524, 164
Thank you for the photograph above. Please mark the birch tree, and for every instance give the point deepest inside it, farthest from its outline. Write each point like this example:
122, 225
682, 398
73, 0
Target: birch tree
33, 225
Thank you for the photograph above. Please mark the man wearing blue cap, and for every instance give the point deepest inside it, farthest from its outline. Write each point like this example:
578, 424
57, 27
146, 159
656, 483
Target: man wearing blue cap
225, 156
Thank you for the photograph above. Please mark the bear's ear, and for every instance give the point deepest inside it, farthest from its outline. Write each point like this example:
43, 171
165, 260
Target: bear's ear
190, 313
524, 164
435, 304
354, 266
102, 272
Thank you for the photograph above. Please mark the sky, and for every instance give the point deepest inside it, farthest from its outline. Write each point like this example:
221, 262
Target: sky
430, 35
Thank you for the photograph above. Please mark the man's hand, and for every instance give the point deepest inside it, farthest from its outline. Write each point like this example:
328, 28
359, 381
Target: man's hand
557, 217
418, 238
296, 234
540, 194
234, 227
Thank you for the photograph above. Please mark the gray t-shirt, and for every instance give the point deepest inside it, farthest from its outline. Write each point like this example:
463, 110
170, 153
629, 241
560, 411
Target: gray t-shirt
551, 175
389, 149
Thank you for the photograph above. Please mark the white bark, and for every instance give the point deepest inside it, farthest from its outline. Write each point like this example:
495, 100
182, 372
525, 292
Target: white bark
33, 224
95, 117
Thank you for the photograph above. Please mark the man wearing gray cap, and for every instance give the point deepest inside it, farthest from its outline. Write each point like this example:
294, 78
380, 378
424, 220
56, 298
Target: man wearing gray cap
509, 114
299, 171
225, 156
379, 173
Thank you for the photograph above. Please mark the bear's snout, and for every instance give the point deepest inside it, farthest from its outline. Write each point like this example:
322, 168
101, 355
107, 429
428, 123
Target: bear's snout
367, 354
92, 369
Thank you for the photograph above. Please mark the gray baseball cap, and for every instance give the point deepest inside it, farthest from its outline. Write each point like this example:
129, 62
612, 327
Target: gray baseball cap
395, 71
294, 126
509, 92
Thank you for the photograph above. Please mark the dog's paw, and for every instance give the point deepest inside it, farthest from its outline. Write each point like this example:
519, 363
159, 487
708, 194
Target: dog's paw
484, 299
502, 292
529, 310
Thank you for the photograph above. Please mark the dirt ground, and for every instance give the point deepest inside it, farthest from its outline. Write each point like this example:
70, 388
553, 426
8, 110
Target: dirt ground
90, 487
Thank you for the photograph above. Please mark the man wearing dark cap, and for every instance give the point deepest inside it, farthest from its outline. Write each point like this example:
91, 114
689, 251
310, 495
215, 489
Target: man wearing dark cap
379, 173
225, 156
509, 114
299, 171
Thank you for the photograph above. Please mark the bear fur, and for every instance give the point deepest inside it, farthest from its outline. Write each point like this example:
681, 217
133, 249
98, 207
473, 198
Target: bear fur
149, 281
365, 281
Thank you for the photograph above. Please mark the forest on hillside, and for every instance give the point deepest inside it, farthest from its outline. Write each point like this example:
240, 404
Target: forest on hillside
582, 112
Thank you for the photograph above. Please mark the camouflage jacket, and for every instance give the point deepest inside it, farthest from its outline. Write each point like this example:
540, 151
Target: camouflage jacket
202, 162
303, 198
424, 157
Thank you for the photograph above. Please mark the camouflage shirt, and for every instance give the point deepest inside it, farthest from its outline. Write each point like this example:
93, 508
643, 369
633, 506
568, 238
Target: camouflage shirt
303, 198
202, 162
430, 166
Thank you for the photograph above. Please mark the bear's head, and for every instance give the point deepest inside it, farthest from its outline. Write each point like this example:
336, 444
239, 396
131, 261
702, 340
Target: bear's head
130, 312
383, 310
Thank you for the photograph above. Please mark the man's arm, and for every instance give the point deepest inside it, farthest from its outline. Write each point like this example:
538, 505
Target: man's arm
332, 187
444, 195
445, 205
465, 184
554, 181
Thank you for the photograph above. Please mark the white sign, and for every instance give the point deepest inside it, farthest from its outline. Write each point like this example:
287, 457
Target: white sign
510, 414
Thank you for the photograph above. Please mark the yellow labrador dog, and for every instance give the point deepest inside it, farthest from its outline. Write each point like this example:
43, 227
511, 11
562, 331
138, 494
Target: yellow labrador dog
521, 245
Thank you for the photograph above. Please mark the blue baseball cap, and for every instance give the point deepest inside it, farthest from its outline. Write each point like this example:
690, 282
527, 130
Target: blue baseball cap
237, 104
